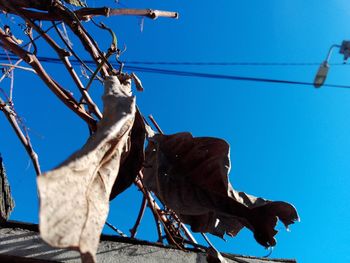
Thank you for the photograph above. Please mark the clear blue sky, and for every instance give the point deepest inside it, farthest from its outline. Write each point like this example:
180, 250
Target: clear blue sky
287, 142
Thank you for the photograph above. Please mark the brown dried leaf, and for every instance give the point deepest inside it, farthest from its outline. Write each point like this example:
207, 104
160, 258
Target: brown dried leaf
190, 175
74, 197
135, 157
76, 2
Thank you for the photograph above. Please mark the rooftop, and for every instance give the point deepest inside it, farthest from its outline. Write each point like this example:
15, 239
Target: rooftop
20, 242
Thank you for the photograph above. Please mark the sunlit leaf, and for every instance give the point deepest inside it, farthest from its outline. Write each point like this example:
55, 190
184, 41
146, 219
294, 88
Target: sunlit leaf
74, 197
76, 2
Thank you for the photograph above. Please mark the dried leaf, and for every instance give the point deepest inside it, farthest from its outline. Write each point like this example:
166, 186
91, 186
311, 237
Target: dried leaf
76, 2
74, 197
134, 160
6, 201
190, 175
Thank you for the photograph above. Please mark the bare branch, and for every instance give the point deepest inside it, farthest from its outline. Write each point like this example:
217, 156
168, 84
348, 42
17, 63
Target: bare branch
158, 215
70, 19
33, 61
11, 117
133, 230
19, 67
155, 124
115, 229
11, 67
88, 13
73, 52
63, 55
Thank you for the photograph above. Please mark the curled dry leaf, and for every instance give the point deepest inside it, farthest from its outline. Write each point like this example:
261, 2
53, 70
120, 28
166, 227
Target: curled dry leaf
190, 175
74, 197
133, 159
76, 2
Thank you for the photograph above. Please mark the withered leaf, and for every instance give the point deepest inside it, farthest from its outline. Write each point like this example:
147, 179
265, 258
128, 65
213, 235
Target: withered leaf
76, 2
74, 197
190, 175
133, 161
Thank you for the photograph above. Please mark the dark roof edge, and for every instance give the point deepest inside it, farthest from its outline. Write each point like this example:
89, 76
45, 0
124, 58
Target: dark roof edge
134, 241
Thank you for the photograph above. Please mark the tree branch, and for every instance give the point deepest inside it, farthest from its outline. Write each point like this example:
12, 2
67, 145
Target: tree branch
19, 67
87, 13
70, 19
63, 55
133, 230
33, 61
11, 117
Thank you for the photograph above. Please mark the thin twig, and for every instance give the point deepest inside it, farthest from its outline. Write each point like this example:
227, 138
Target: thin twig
11, 67
97, 70
70, 19
63, 55
37, 37
33, 61
133, 230
73, 52
15, 66
155, 124
151, 205
158, 224
11, 117
207, 240
115, 229
159, 216
88, 13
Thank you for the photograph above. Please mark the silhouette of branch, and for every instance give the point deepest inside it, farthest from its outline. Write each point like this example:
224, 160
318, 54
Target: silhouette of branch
61, 93
11, 117
88, 13
133, 230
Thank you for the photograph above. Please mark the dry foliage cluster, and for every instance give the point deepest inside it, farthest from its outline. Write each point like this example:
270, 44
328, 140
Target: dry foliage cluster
184, 180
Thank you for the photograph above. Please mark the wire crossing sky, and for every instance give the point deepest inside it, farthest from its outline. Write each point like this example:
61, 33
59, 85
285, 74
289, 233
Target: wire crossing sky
196, 74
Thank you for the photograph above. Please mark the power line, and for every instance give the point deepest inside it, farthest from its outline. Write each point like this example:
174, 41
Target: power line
205, 63
228, 77
188, 63
188, 73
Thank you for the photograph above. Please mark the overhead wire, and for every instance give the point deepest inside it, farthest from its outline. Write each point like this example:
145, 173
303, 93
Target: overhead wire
190, 73
228, 77
213, 63
191, 63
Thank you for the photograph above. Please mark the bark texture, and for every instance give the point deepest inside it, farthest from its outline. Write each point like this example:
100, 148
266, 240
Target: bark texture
6, 201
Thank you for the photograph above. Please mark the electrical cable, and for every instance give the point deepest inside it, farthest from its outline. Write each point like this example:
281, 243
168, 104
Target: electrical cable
188, 73
188, 63
192, 63
228, 77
